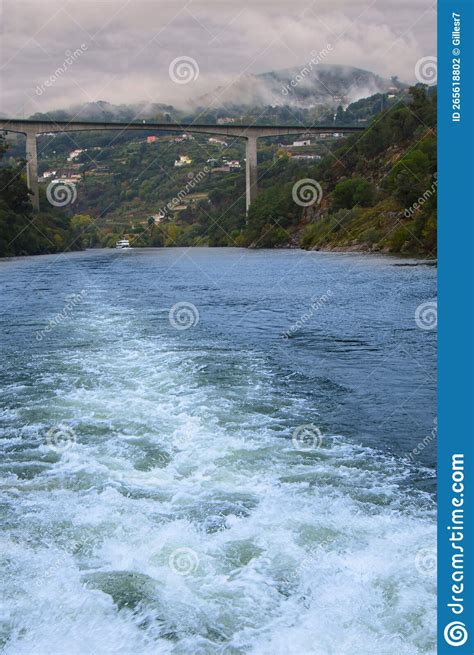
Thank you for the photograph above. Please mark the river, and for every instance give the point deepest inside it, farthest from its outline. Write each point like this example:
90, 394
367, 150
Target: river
217, 451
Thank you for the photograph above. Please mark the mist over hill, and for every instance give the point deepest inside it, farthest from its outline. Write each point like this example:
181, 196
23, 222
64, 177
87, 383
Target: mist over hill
103, 111
306, 86
369, 193
312, 88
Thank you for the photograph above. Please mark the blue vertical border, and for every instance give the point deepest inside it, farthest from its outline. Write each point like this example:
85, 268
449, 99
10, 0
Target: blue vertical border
455, 329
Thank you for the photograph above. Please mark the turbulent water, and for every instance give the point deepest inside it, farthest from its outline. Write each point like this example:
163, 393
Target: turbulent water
159, 494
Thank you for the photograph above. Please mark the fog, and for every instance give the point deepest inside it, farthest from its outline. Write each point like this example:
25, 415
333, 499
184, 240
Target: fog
127, 47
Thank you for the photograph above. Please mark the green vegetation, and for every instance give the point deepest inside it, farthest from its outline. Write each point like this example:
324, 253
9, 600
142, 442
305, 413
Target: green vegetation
379, 189
351, 192
24, 233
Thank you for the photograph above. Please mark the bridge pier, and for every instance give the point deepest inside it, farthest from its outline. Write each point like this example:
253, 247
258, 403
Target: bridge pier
251, 174
250, 133
32, 168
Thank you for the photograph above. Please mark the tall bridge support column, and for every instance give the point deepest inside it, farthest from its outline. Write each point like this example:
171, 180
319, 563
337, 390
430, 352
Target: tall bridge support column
32, 168
250, 171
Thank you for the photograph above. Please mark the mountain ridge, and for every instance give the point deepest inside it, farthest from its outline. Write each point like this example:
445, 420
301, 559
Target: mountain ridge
324, 86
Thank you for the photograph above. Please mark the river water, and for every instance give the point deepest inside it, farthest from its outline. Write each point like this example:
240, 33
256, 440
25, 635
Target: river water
159, 493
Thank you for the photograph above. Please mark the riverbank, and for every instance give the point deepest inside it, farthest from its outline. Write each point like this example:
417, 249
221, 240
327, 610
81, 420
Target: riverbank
365, 249
376, 191
356, 249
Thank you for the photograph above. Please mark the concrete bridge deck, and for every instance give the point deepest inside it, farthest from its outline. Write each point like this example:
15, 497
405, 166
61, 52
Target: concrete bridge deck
33, 128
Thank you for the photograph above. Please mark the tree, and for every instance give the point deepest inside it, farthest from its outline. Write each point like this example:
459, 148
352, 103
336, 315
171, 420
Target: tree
349, 193
83, 231
21, 232
151, 224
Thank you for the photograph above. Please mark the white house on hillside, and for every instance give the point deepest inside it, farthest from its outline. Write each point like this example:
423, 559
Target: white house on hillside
217, 142
183, 160
74, 154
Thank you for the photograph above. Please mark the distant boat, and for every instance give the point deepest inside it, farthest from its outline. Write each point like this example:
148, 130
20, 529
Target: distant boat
123, 244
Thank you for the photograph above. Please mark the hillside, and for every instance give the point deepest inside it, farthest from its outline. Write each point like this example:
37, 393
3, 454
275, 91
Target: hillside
21, 231
369, 184
308, 93
377, 191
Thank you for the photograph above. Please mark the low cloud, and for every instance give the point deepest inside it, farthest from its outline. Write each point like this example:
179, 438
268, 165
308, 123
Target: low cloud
130, 46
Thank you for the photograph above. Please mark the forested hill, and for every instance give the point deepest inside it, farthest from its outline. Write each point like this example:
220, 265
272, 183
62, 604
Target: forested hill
375, 191
23, 232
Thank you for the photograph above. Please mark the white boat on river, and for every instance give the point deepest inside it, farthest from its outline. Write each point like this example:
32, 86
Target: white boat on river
123, 244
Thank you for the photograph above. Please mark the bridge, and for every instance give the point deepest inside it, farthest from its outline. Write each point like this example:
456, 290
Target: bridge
250, 133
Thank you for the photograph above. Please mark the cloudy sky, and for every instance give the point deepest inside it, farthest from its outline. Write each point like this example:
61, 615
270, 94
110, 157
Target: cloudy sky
123, 51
